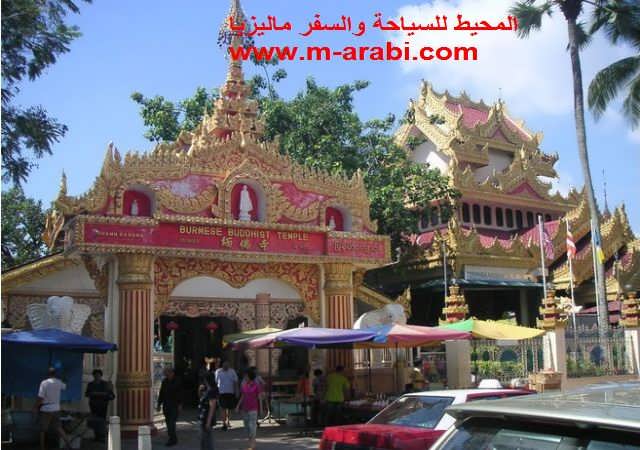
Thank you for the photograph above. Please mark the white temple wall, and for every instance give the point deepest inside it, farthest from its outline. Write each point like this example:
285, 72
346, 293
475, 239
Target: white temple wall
206, 287
498, 160
68, 281
427, 153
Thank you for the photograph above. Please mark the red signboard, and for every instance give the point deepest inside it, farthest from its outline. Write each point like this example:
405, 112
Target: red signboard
233, 239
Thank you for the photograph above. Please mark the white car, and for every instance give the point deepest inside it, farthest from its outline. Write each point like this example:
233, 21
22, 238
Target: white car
599, 417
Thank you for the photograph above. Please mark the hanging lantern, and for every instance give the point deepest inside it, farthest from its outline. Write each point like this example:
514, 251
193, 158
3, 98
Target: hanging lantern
172, 326
212, 326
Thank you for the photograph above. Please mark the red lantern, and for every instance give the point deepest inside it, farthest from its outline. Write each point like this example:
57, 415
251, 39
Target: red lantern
212, 326
172, 326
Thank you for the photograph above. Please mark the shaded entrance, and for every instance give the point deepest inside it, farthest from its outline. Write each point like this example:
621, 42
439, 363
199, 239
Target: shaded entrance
197, 338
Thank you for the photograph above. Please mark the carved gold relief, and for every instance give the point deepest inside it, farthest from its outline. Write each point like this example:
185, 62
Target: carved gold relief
169, 272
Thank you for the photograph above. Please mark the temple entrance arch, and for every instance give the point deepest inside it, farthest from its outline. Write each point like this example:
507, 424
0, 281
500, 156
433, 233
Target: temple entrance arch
258, 303
243, 279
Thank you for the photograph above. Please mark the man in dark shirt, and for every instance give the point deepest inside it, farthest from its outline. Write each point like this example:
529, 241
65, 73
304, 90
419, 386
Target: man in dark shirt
207, 410
100, 393
170, 399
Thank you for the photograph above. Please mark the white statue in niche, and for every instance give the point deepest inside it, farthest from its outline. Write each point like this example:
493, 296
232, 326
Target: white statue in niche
332, 223
58, 312
246, 205
393, 313
135, 209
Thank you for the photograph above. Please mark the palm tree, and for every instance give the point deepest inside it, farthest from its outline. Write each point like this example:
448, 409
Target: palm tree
620, 20
530, 14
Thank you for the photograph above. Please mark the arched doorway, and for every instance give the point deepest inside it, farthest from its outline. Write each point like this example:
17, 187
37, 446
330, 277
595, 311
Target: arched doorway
203, 309
197, 338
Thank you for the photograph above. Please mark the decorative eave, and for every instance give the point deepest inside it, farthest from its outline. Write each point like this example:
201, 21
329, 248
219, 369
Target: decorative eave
629, 274
16, 277
497, 116
500, 186
464, 247
616, 233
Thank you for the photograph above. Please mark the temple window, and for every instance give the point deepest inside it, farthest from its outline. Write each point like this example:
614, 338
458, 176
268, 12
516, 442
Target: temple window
445, 214
424, 219
434, 216
136, 203
334, 219
245, 203
499, 217
519, 222
530, 222
487, 215
466, 216
476, 214
547, 217
509, 218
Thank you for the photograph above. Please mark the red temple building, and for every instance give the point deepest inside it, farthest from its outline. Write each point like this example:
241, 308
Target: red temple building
214, 233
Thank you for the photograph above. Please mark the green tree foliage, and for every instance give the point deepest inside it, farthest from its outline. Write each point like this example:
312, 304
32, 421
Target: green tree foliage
620, 21
165, 119
23, 221
319, 128
34, 35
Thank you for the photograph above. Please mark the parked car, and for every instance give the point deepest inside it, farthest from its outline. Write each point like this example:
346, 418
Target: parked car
599, 417
414, 421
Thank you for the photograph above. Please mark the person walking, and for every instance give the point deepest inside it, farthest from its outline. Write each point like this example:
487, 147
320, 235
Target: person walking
170, 399
227, 382
337, 389
319, 385
100, 393
47, 407
207, 411
249, 403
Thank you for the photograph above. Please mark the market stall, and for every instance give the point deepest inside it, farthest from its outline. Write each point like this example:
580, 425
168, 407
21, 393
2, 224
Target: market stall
26, 356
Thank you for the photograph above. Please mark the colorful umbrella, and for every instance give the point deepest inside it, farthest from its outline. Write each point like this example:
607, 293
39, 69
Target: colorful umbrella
407, 336
312, 337
243, 336
489, 329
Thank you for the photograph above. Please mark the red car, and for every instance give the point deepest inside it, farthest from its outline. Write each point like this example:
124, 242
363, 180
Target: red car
412, 422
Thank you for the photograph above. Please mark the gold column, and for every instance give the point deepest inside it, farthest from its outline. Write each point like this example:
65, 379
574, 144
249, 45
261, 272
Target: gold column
338, 290
134, 341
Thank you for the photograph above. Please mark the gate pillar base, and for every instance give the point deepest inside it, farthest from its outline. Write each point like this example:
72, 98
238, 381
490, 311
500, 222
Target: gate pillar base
458, 364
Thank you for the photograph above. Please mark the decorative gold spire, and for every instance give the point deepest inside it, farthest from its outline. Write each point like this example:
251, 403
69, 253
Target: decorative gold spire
456, 308
234, 111
63, 185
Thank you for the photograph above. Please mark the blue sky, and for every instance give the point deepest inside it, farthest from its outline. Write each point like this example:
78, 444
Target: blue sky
169, 48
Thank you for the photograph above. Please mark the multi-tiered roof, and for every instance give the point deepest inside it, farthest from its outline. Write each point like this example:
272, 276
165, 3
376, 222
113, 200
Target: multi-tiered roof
466, 134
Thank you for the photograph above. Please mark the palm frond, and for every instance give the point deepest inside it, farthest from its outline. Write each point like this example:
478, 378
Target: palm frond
583, 38
631, 104
618, 19
607, 83
529, 16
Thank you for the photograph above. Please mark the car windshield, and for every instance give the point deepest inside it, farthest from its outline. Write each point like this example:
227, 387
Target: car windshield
485, 434
414, 411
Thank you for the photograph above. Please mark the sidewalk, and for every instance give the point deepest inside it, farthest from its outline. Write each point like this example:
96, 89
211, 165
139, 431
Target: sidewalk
270, 437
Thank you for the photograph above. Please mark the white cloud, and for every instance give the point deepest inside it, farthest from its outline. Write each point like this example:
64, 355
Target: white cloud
614, 122
532, 75
563, 184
